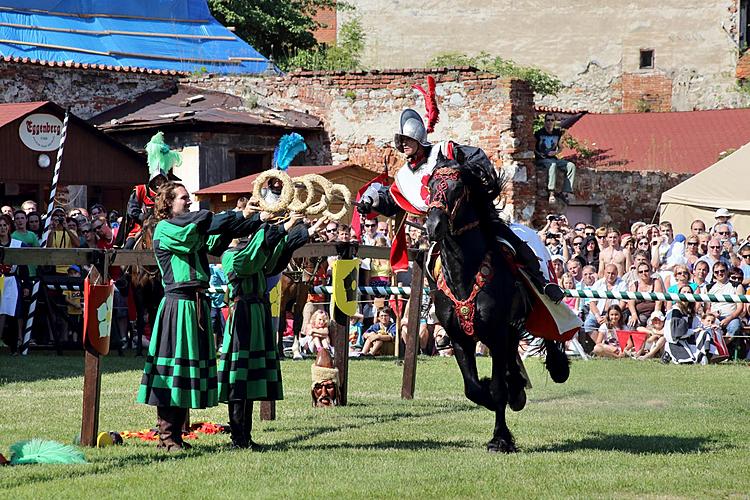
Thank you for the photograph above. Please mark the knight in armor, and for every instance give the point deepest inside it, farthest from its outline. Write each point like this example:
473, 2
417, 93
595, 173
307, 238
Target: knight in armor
161, 160
409, 191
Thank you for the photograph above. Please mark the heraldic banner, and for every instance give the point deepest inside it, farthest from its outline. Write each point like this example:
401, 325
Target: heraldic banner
344, 298
97, 315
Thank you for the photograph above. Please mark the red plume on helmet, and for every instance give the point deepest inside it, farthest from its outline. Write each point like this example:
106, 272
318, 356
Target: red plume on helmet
430, 103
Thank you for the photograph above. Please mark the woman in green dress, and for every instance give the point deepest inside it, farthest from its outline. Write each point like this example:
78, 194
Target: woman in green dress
180, 369
249, 367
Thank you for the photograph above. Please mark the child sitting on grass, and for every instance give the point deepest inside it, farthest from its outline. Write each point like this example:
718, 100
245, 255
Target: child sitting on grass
654, 344
607, 345
381, 332
318, 331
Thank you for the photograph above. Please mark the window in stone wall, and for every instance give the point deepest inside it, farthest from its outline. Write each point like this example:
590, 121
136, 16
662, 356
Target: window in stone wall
647, 59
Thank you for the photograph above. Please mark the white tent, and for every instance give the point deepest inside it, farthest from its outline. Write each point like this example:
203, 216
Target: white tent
725, 184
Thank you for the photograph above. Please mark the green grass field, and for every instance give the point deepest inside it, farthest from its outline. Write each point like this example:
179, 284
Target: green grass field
615, 429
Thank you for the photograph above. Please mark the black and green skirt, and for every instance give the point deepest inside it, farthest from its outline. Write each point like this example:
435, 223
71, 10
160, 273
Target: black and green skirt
249, 366
180, 367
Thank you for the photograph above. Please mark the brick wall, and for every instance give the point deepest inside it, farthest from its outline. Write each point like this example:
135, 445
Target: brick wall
360, 111
617, 198
743, 66
646, 92
327, 32
86, 91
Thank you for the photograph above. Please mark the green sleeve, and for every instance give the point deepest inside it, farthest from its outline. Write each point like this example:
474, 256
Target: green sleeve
184, 239
218, 243
248, 259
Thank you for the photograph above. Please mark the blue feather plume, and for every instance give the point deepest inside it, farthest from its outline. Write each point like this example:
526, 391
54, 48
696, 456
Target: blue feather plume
289, 146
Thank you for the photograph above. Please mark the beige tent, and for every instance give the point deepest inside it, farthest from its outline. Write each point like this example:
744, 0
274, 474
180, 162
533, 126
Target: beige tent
725, 184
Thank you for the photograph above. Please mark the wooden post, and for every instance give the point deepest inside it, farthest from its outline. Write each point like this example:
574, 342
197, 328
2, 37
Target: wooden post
268, 410
92, 376
341, 359
409, 379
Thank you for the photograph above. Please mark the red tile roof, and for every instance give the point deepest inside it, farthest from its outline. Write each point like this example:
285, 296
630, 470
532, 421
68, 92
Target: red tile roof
12, 111
245, 184
679, 142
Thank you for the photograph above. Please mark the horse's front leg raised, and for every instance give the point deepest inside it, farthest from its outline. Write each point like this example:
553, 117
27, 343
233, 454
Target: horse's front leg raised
502, 439
474, 389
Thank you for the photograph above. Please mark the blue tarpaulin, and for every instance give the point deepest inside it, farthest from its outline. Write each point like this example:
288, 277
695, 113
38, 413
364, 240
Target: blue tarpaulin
178, 35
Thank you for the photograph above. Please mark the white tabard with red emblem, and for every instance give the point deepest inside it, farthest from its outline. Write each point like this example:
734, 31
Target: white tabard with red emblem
410, 187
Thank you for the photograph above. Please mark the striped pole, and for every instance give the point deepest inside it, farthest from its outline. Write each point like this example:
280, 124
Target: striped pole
651, 296
47, 228
375, 291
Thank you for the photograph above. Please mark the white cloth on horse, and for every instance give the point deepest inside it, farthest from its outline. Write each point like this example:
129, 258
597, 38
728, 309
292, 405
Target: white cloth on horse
550, 320
532, 239
10, 297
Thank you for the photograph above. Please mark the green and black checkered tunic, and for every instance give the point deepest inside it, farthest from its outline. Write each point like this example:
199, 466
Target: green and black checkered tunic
249, 366
180, 367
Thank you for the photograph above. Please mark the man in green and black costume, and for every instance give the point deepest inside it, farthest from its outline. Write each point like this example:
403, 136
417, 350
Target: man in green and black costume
180, 369
249, 367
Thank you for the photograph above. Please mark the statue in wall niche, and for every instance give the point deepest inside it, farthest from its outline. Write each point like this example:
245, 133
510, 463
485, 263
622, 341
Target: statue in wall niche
325, 381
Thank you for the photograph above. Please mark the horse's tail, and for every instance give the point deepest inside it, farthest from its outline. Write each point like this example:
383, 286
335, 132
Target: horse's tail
557, 363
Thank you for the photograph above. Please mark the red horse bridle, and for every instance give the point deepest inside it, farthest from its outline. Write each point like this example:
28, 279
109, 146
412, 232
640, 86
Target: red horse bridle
465, 309
439, 198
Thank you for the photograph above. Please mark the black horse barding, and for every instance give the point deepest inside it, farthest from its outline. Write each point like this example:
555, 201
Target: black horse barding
480, 297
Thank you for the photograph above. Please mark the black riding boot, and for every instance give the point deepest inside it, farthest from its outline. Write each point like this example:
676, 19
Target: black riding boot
530, 262
248, 427
237, 422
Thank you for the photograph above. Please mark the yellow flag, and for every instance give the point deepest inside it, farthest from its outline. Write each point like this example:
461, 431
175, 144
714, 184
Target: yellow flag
274, 297
344, 278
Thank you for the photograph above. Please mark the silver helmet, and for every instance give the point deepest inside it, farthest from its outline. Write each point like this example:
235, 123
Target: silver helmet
413, 127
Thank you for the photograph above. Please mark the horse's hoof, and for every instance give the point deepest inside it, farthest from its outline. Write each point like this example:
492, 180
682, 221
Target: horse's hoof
501, 446
519, 402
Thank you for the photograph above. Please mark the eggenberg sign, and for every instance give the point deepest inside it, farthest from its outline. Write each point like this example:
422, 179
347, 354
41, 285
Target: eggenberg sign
40, 132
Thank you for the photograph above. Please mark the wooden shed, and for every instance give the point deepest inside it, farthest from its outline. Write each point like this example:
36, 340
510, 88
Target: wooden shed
29, 138
224, 196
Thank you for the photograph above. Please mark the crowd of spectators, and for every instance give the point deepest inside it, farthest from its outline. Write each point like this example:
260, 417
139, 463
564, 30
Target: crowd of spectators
712, 258
60, 311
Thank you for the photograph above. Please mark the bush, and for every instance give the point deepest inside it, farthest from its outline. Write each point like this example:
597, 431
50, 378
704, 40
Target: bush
540, 81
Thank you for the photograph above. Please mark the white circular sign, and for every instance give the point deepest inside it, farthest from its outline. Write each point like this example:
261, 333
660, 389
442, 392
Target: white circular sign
40, 132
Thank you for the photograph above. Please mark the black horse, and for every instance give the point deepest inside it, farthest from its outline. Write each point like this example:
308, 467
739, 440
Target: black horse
145, 283
480, 297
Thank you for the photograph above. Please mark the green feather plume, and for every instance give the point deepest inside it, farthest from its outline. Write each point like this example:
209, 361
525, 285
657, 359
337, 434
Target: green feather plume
160, 158
42, 451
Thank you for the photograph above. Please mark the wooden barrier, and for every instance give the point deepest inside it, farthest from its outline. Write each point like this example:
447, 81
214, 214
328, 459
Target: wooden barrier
119, 257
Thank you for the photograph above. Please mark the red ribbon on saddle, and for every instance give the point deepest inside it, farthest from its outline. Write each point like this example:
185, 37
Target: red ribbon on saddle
466, 309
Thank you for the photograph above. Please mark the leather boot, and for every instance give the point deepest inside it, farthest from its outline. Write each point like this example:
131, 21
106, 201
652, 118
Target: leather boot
169, 421
237, 423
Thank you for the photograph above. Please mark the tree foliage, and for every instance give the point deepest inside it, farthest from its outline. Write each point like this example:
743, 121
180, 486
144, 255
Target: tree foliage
275, 28
540, 81
344, 56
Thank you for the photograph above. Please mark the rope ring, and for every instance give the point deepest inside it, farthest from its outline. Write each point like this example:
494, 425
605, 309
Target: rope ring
287, 190
318, 207
298, 205
347, 202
